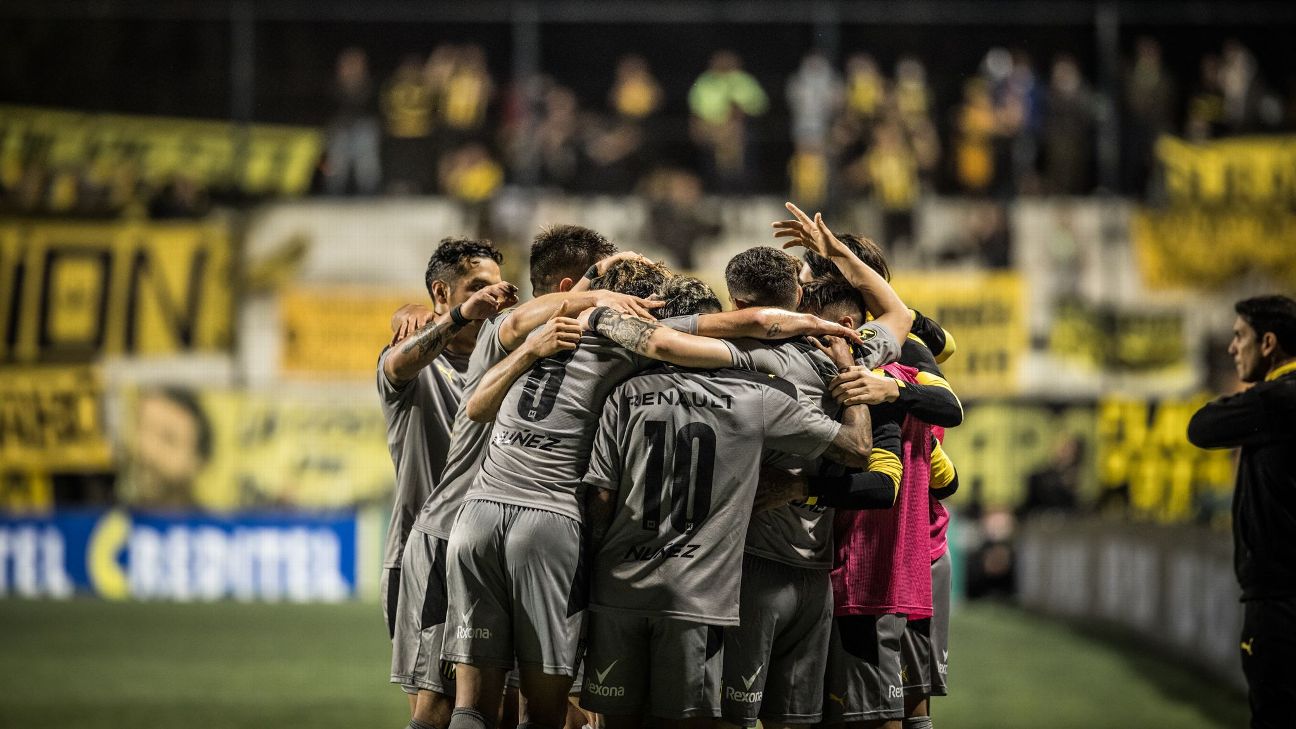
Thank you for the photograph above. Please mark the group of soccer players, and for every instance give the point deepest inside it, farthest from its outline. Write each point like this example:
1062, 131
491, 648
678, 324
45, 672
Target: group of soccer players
619, 505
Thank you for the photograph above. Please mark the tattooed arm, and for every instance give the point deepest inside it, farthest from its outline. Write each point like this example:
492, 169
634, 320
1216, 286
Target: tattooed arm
769, 323
776, 488
417, 351
651, 339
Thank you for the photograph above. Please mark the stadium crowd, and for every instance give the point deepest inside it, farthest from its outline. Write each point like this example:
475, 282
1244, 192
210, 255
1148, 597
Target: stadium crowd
747, 502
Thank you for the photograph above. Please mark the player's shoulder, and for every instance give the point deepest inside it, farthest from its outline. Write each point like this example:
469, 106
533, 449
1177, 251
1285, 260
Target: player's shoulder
757, 380
727, 378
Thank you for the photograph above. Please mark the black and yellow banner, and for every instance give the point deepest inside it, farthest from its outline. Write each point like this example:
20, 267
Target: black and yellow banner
257, 159
51, 420
71, 292
1245, 171
986, 313
1190, 247
1119, 340
337, 331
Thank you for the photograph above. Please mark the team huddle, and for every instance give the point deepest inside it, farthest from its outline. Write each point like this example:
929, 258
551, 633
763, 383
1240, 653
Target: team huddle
629, 506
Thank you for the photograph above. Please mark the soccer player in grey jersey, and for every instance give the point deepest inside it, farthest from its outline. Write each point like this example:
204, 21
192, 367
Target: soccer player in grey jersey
420, 380
559, 256
667, 521
514, 552
774, 661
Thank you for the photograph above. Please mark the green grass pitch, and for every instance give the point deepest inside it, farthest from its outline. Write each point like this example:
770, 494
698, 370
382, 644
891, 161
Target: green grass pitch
92, 664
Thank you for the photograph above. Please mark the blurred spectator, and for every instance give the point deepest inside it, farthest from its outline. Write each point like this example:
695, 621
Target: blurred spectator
1241, 87
721, 101
470, 175
407, 105
675, 215
635, 93
814, 96
976, 127
982, 238
890, 170
866, 89
466, 94
1055, 488
557, 144
912, 97
1020, 106
1149, 105
1205, 115
1068, 130
353, 139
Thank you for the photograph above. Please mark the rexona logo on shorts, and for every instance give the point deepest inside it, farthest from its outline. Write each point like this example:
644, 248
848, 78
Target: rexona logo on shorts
746, 696
597, 685
895, 692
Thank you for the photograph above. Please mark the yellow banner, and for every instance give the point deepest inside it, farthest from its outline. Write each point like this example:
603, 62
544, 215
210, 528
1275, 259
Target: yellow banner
223, 450
986, 313
72, 292
1196, 248
337, 332
1248, 171
1143, 450
1119, 340
51, 419
257, 159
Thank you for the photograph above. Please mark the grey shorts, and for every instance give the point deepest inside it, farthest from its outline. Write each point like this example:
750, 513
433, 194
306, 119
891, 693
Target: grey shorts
389, 593
916, 657
940, 625
420, 618
776, 659
516, 587
661, 667
863, 679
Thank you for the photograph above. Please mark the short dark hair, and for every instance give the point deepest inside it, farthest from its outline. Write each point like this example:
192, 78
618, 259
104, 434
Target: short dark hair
684, 296
763, 276
447, 261
830, 292
863, 248
635, 277
565, 251
1272, 313
187, 401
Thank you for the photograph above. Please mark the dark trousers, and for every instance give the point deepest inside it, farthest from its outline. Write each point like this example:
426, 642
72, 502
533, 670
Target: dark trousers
1269, 661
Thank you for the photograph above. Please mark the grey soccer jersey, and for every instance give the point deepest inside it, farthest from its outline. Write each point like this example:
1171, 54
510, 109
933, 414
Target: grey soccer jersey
419, 414
467, 440
682, 450
794, 534
541, 442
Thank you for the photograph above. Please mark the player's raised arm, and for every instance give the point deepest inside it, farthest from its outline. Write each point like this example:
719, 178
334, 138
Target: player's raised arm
558, 334
882, 300
417, 351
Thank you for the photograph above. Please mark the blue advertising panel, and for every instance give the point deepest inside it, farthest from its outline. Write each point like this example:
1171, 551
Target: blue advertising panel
122, 555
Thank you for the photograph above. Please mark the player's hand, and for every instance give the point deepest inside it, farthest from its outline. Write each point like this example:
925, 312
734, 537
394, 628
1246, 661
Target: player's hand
624, 303
777, 488
409, 319
836, 349
858, 386
489, 301
786, 325
813, 234
558, 334
602, 266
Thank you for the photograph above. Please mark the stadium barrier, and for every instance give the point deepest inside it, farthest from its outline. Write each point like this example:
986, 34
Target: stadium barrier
121, 555
1170, 587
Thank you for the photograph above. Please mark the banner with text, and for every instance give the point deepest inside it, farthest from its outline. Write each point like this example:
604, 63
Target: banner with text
122, 555
51, 419
75, 291
986, 314
337, 332
256, 159
223, 450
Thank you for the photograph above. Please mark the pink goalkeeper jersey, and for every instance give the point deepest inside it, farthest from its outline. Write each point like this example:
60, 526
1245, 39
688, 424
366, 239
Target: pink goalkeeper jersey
882, 563
940, 516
